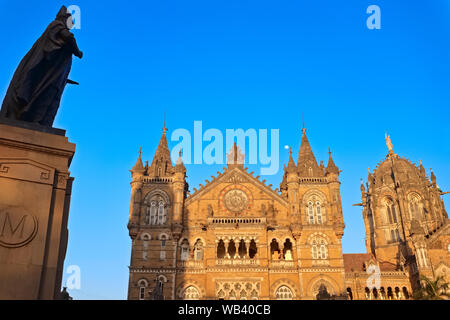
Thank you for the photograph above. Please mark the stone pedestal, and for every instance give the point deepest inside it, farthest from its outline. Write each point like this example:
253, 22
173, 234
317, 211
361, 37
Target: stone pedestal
35, 190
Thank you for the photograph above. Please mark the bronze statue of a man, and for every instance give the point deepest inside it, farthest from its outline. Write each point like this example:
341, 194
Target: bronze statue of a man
35, 91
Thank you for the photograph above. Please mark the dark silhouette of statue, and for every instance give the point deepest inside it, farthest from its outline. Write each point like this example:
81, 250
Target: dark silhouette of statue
323, 293
65, 295
158, 293
35, 91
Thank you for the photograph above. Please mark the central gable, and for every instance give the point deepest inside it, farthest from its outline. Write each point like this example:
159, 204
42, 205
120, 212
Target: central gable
235, 193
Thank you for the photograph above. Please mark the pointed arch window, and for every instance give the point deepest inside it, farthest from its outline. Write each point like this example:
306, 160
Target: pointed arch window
318, 213
314, 250
284, 293
161, 213
323, 250
414, 207
152, 211
157, 209
391, 212
184, 250
315, 211
162, 254
198, 250
311, 212
191, 293
319, 249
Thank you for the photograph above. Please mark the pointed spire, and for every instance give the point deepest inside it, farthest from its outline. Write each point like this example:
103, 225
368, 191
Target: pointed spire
164, 127
307, 164
421, 169
162, 163
432, 176
291, 167
235, 156
331, 167
138, 167
179, 167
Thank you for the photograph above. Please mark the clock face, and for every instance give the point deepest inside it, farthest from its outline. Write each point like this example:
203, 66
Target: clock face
235, 200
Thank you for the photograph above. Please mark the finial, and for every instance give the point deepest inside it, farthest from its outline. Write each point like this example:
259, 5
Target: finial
164, 128
180, 153
140, 151
303, 121
420, 161
290, 151
329, 151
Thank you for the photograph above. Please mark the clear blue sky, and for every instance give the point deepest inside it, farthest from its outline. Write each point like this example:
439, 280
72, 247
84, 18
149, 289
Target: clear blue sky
236, 64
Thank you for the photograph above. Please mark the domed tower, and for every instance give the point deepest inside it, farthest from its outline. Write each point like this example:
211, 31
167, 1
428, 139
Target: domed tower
403, 214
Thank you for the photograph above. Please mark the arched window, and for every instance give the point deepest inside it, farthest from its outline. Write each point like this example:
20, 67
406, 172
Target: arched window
184, 250
162, 255
161, 213
323, 250
231, 249
242, 249
145, 238
415, 207
287, 250
152, 213
315, 211
221, 249
253, 249
314, 250
391, 213
191, 293
142, 284
368, 294
157, 203
318, 213
405, 293
349, 294
310, 212
284, 293
274, 249
390, 296
319, 249
198, 250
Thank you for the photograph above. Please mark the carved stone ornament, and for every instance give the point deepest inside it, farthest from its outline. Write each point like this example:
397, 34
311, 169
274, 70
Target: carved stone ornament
235, 200
17, 228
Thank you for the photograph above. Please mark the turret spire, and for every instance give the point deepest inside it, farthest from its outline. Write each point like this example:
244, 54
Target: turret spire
138, 167
291, 167
307, 164
331, 167
162, 163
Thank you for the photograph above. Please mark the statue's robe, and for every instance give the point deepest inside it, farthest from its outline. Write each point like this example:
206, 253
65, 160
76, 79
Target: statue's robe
35, 90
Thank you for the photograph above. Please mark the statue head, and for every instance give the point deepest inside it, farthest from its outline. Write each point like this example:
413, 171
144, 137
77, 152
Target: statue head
63, 15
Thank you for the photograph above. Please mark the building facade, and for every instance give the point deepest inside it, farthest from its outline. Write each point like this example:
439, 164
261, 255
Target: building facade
238, 238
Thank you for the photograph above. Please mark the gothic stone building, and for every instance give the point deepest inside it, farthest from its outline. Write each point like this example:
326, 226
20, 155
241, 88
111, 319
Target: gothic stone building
237, 238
